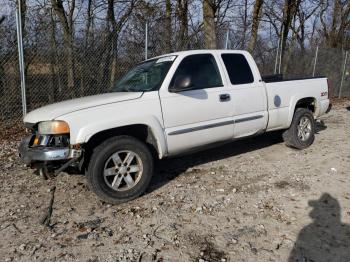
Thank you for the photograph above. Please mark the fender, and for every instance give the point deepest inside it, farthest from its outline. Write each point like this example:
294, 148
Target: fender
86, 123
85, 133
292, 104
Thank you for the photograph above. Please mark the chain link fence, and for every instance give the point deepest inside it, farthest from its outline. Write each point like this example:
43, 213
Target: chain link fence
320, 61
10, 91
94, 61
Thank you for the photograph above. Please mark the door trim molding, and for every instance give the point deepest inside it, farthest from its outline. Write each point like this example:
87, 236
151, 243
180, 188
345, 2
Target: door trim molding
249, 118
197, 128
208, 126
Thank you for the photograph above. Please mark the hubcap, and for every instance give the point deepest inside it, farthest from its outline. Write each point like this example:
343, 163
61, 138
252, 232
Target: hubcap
123, 170
304, 129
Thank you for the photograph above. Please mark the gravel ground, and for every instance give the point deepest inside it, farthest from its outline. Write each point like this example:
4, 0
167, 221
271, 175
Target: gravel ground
245, 201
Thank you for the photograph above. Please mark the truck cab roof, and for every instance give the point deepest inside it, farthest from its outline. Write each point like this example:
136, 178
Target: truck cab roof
201, 51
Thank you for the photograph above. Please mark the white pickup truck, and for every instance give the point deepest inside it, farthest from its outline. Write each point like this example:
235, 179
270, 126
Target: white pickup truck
166, 106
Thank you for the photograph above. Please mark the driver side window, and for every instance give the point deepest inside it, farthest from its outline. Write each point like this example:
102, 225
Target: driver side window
202, 69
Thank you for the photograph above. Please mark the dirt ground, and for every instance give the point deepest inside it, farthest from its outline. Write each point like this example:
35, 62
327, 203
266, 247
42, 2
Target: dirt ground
251, 200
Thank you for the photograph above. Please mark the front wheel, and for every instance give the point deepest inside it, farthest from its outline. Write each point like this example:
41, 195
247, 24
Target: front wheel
120, 169
301, 133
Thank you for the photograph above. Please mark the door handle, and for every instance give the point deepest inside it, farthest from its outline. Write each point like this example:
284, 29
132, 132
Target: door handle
224, 97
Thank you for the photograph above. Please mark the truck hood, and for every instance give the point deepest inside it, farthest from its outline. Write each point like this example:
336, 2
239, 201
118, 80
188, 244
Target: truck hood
53, 111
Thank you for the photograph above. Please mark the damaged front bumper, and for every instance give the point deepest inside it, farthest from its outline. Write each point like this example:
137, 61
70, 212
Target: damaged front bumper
34, 154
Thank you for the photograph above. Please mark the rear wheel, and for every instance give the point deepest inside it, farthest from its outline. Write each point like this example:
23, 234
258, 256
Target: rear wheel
120, 169
301, 133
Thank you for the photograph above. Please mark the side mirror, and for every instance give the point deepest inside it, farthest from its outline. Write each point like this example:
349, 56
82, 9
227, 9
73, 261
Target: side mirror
181, 83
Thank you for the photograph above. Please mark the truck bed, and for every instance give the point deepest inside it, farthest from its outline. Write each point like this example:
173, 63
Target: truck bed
283, 95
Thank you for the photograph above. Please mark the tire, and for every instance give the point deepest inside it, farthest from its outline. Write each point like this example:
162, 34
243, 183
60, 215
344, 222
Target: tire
109, 174
292, 137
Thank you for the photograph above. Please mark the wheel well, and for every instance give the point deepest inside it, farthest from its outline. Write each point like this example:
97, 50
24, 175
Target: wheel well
139, 131
308, 103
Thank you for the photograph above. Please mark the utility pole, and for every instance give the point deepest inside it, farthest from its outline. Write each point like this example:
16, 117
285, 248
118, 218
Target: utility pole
227, 37
146, 41
276, 61
315, 62
343, 75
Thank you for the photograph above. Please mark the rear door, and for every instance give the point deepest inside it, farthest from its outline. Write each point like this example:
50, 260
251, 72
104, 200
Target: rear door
247, 93
199, 116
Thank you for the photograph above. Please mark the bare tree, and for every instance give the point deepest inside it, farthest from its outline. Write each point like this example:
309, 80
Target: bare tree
255, 24
304, 13
89, 18
66, 20
85, 67
209, 24
114, 27
168, 26
54, 62
289, 11
245, 24
182, 13
335, 32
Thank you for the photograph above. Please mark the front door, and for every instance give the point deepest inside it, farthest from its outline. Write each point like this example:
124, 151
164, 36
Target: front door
201, 115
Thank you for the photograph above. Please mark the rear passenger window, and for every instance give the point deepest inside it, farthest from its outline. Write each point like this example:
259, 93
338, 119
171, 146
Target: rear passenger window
238, 69
202, 69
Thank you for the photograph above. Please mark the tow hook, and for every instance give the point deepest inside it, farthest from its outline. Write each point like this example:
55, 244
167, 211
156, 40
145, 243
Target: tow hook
64, 166
43, 171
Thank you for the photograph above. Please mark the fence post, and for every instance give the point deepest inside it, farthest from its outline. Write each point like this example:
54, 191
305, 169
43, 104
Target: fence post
276, 61
146, 41
315, 62
21, 56
227, 36
342, 77
281, 51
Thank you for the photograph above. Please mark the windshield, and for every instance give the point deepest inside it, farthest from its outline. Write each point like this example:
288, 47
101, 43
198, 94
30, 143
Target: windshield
147, 76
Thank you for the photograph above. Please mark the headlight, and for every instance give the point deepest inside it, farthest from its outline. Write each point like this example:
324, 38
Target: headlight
53, 128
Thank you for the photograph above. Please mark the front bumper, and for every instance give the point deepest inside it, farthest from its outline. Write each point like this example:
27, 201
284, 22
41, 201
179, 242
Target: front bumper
31, 155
